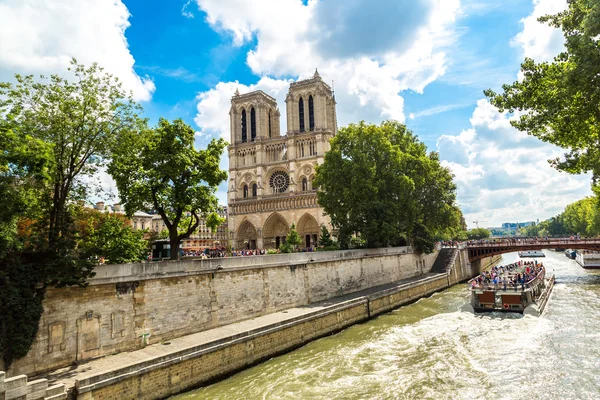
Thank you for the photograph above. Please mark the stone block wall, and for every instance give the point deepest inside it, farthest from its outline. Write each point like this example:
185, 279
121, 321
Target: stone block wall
128, 306
18, 388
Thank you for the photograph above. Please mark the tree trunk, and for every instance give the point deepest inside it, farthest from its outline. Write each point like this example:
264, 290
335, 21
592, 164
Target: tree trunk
174, 241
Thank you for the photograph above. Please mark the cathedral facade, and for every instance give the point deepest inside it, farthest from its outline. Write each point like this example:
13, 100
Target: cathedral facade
270, 174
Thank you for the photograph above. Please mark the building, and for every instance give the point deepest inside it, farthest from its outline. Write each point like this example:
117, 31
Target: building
270, 175
205, 238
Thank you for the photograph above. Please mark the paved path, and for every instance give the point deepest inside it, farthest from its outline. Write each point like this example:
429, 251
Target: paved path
104, 364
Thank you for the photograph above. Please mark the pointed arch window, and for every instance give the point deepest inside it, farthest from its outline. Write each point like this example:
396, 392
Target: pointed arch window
311, 114
270, 133
301, 113
304, 184
254, 190
244, 131
245, 191
252, 124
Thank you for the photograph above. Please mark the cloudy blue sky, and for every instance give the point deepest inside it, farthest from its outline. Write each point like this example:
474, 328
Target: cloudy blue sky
422, 62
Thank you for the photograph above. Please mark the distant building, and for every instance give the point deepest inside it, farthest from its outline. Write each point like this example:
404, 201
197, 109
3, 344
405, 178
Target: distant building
203, 238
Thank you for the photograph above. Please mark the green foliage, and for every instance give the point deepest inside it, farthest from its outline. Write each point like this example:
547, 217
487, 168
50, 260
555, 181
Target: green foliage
478, 233
164, 234
53, 132
79, 121
356, 242
271, 251
110, 236
213, 221
379, 182
160, 169
558, 100
291, 241
460, 235
20, 308
325, 237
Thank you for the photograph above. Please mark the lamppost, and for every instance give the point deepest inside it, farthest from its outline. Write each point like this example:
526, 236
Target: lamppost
273, 243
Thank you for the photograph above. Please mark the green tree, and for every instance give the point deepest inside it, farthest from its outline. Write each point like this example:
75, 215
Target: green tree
478, 233
380, 182
579, 217
55, 133
325, 237
110, 236
81, 120
293, 238
558, 101
161, 170
24, 167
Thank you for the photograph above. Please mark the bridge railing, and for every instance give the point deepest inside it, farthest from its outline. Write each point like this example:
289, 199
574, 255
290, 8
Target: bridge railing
524, 243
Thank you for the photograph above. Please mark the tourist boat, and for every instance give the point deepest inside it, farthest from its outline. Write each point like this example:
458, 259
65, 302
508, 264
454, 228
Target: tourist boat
531, 253
570, 253
529, 297
588, 259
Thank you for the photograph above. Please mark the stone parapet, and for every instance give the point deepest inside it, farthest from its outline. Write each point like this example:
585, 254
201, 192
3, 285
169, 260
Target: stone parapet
19, 388
114, 273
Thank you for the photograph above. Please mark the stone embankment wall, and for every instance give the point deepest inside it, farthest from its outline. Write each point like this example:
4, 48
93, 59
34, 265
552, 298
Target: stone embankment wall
128, 306
161, 377
18, 388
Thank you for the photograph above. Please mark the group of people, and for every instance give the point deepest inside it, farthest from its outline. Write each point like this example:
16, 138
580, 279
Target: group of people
221, 253
513, 275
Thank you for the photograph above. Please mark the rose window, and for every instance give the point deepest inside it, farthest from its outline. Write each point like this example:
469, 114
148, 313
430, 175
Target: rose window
279, 182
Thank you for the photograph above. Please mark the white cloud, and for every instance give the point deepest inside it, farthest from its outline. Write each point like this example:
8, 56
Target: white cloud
503, 175
41, 37
213, 105
371, 60
541, 41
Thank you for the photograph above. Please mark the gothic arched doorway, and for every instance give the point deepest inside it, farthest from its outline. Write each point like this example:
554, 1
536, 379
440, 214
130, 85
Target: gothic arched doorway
246, 236
275, 231
308, 229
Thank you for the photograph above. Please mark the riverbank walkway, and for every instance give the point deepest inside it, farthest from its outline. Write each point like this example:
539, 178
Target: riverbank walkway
122, 364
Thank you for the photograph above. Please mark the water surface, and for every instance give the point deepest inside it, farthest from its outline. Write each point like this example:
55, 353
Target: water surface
431, 350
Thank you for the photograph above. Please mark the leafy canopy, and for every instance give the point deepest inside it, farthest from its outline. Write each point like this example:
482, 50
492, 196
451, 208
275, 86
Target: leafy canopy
379, 182
558, 101
161, 170
109, 235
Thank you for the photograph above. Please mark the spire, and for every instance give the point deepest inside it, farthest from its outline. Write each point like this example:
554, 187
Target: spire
316, 75
237, 92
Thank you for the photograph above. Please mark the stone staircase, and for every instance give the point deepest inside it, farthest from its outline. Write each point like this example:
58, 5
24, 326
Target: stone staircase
445, 261
17, 388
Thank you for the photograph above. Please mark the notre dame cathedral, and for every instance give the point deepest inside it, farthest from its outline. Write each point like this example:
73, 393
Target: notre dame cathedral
270, 175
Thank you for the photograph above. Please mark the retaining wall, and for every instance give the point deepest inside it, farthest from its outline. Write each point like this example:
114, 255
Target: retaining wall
128, 306
160, 378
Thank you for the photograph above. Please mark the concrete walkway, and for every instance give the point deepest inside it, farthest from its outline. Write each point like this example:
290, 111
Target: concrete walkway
106, 364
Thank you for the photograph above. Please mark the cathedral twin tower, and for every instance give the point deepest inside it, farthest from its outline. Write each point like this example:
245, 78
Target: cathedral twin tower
270, 175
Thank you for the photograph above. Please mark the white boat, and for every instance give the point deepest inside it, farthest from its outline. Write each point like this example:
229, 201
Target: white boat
522, 287
588, 259
531, 253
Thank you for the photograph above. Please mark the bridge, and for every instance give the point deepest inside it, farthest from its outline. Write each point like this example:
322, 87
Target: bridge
479, 250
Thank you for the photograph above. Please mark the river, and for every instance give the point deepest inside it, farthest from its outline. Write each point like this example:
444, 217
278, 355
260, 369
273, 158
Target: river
431, 350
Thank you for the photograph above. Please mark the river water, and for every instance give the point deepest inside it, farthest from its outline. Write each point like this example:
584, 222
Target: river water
431, 350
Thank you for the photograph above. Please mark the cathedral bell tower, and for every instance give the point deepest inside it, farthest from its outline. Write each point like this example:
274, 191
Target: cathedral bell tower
310, 106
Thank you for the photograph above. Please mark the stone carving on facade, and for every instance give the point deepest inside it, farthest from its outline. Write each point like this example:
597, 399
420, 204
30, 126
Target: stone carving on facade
118, 324
56, 336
